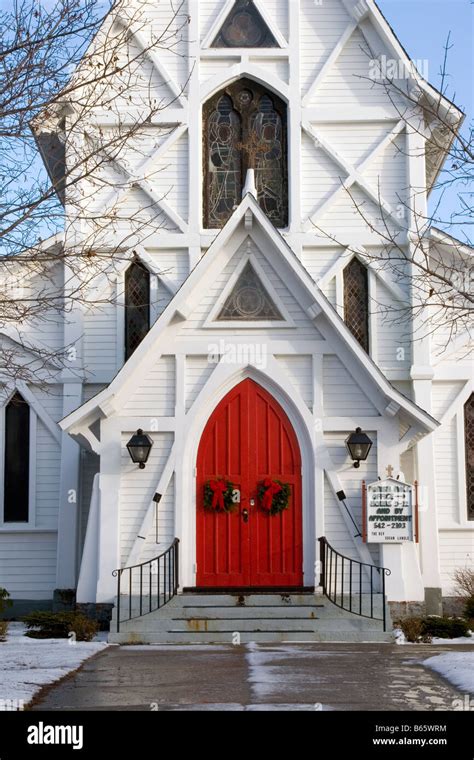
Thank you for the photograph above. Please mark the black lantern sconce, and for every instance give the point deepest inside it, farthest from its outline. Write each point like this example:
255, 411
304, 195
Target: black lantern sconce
358, 445
139, 447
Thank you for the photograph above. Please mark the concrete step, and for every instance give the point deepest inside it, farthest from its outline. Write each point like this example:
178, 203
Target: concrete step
217, 618
259, 637
261, 624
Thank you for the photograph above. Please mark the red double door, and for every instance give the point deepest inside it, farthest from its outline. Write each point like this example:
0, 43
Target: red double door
249, 438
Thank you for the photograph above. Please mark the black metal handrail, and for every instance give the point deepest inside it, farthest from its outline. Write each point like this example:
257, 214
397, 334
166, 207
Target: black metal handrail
343, 591
156, 581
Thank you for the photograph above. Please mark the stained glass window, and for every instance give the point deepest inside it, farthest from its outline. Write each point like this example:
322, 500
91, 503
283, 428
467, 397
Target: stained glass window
244, 27
249, 300
17, 460
356, 301
137, 306
245, 128
267, 140
469, 446
224, 162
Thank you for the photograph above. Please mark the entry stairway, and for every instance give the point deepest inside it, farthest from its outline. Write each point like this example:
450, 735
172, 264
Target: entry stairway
240, 618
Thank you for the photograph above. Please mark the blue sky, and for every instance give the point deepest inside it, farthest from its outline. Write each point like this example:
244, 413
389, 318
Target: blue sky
422, 26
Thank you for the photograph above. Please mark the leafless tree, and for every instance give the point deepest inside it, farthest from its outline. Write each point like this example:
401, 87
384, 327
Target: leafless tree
80, 94
428, 253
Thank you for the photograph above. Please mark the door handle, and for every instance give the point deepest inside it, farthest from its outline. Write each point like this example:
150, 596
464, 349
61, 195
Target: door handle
245, 515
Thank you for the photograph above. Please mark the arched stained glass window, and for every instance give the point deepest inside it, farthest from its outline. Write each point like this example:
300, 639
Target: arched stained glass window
224, 162
137, 306
356, 301
469, 446
245, 128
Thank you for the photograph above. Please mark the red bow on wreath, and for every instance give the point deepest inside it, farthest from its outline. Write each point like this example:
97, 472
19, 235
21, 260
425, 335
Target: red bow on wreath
271, 490
218, 488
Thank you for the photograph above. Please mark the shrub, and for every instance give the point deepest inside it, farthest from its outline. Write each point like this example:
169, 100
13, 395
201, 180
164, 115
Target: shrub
420, 630
58, 625
469, 608
414, 630
446, 628
3, 630
5, 600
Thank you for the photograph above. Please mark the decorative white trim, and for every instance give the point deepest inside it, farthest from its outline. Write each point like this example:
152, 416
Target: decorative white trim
189, 293
139, 38
212, 320
330, 61
354, 173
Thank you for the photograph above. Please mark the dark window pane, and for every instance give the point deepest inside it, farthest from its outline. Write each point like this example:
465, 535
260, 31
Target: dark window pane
224, 162
469, 446
267, 143
17, 460
245, 128
249, 300
137, 306
356, 301
244, 27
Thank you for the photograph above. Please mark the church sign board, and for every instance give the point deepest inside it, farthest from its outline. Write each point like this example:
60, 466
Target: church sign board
390, 512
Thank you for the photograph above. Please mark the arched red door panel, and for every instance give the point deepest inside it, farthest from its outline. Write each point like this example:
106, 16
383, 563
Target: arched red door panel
247, 439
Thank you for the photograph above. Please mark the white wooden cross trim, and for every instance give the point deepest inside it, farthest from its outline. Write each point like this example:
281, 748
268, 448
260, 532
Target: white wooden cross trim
330, 61
153, 57
140, 181
354, 173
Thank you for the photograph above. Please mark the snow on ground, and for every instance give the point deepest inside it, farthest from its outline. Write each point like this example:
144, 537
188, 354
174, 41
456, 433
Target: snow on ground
28, 664
457, 667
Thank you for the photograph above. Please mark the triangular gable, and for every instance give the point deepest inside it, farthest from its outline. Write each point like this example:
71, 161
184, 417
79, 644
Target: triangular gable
312, 301
249, 300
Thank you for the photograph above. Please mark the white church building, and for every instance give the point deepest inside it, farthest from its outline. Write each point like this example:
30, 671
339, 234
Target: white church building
202, 432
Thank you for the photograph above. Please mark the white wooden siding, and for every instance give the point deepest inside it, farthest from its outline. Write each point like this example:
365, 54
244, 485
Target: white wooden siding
28, 564
300, 373
442, 396
337, 532
342, 396
446, 464
322, 25
456, 552
48, 464
156, 395
137, 488
394, 345
198, 371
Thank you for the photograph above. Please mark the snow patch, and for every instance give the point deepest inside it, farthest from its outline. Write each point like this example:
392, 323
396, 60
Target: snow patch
26, 665
456, 667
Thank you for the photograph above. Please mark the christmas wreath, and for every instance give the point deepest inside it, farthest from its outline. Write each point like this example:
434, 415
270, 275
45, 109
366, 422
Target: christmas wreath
218, 495
274, 496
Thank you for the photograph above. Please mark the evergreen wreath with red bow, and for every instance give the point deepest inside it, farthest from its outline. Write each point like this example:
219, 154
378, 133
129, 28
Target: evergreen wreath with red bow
274, 496
218, 495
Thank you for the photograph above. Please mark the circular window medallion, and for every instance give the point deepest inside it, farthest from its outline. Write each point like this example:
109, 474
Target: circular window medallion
243, 31
249, 301
245, 97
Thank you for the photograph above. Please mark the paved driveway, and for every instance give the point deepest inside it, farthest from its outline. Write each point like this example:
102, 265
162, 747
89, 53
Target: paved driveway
256, 677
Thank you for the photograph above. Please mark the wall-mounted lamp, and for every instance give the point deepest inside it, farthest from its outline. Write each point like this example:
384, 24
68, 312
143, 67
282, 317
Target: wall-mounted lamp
139, 447
359, 445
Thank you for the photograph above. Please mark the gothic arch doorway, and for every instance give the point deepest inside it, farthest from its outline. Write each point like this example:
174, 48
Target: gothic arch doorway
248, 439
